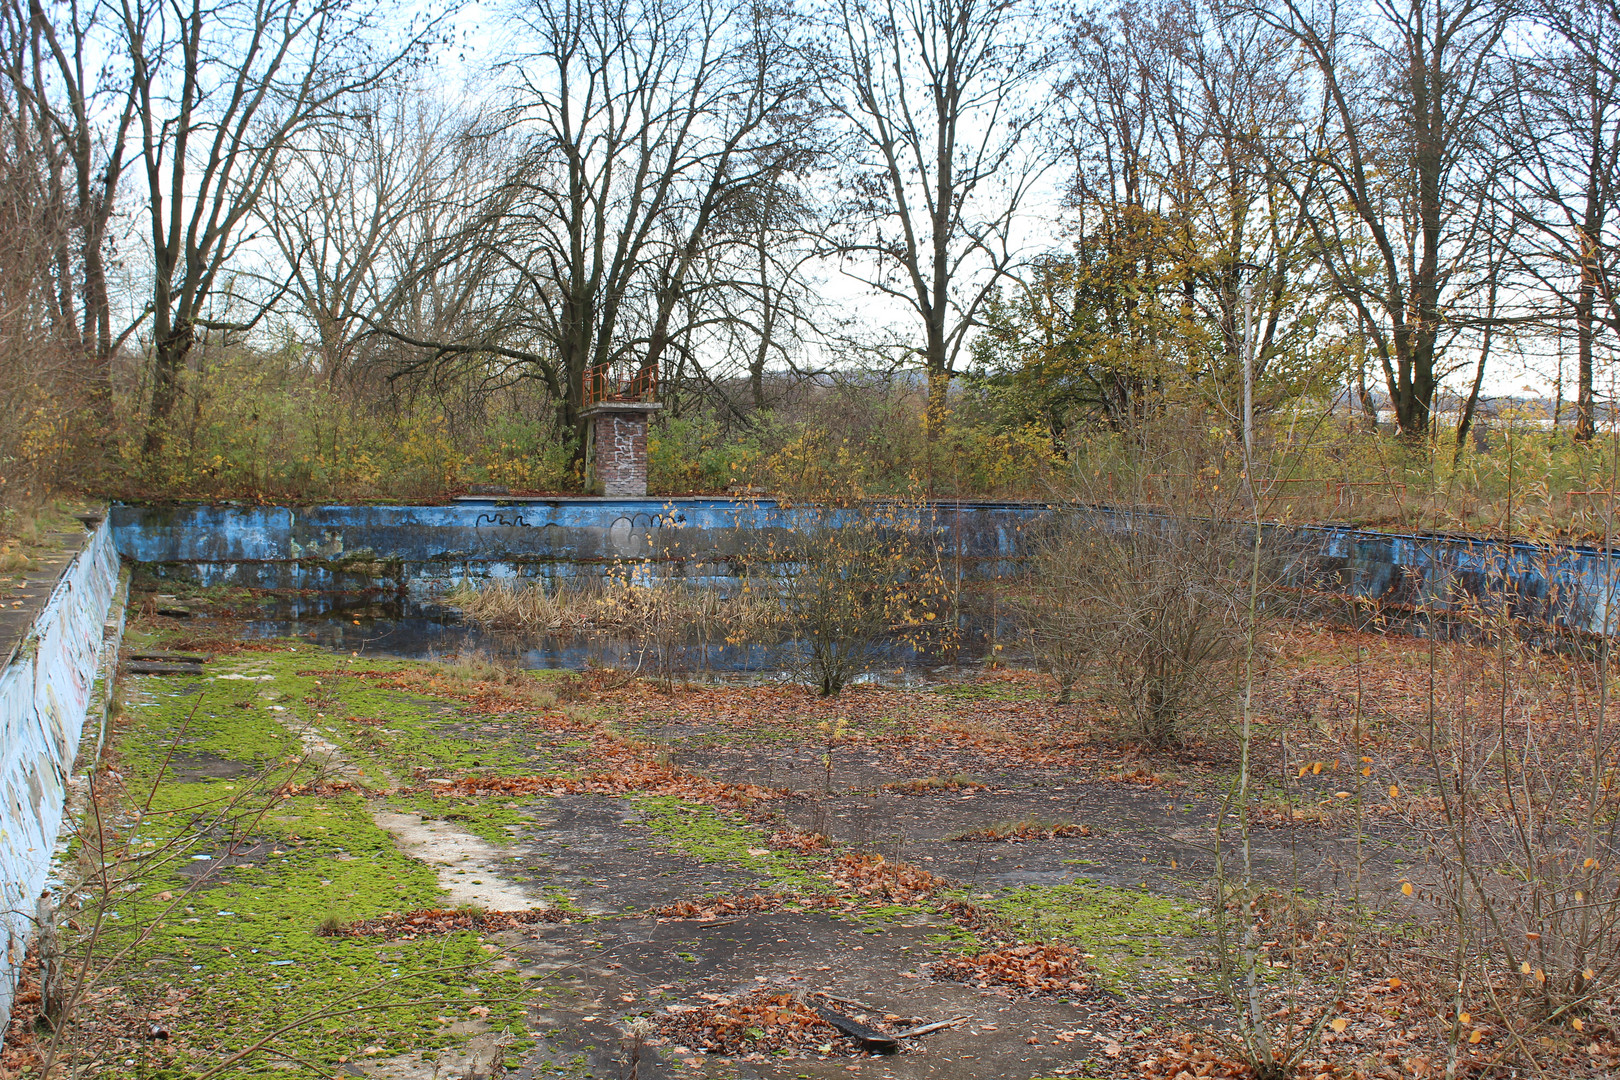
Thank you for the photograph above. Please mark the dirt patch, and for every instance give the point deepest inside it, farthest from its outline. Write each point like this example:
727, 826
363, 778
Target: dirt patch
801, 766
475, 1059
188, 768
470, 870
229, 855
1139, 838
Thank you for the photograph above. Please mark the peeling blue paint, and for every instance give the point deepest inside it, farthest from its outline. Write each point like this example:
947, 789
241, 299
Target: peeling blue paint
1566, 588
419, 549
45, 694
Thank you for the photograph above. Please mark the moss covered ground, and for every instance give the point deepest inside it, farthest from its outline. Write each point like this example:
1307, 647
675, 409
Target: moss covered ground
237, 877
253, 816
1123, 932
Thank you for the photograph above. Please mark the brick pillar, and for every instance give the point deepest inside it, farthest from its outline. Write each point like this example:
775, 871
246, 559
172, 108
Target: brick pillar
619, 447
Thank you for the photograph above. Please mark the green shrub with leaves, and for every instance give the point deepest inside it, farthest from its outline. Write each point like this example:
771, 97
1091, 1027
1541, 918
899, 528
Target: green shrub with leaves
695, 454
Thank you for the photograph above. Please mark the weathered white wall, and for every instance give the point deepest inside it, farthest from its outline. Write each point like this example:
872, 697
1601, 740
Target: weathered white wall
44, 695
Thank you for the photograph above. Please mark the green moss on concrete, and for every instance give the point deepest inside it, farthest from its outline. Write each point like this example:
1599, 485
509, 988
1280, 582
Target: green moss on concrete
488, 818
181, 717
725, 839
245, 950
1122, 932
894, 913
205, 757
385, 734
401, 735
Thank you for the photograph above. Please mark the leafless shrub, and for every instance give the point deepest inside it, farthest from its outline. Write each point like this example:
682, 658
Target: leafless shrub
1512, 793
856, 576
1519, 895
1155, 600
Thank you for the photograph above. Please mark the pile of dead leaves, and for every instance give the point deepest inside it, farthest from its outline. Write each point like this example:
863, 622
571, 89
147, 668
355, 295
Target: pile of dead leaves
760, 1022
807, 843
873, 875
642, 777
1141, 776
722, 907
1048, 969
932, 784
517, 695
1019, 832
317, 787
19, 1054
1185, 1060
413, 924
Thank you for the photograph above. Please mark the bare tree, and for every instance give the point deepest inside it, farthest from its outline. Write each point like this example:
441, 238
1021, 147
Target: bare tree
360, 207
938, 102
79, 107
36, 245
757, 305
221, 91
1565, 143
1399, 190
639, 125
771, 306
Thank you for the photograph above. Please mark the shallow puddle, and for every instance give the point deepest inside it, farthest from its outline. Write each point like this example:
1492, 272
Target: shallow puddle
425, 630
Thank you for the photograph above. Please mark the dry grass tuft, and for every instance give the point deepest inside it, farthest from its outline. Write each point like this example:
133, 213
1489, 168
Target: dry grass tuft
617, 607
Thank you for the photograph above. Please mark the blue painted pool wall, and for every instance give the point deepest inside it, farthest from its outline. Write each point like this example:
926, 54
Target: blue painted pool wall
423, 547
1566, 588
420, 549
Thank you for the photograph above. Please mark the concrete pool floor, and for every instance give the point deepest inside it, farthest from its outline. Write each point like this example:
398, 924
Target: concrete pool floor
364, 790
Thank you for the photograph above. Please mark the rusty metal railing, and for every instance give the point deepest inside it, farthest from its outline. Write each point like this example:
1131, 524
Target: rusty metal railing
604, 383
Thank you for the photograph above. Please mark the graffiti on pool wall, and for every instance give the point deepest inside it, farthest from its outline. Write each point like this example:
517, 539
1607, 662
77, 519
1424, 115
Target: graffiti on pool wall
502, 519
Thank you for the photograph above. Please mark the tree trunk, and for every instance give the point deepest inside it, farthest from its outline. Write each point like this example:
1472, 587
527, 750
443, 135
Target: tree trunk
1584, 424
1466, 421
939, 384
936, 366
575, 359
1585, 301
1411, 391
756, 378
767, 314
1416, 341
168, 363
1364, 398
